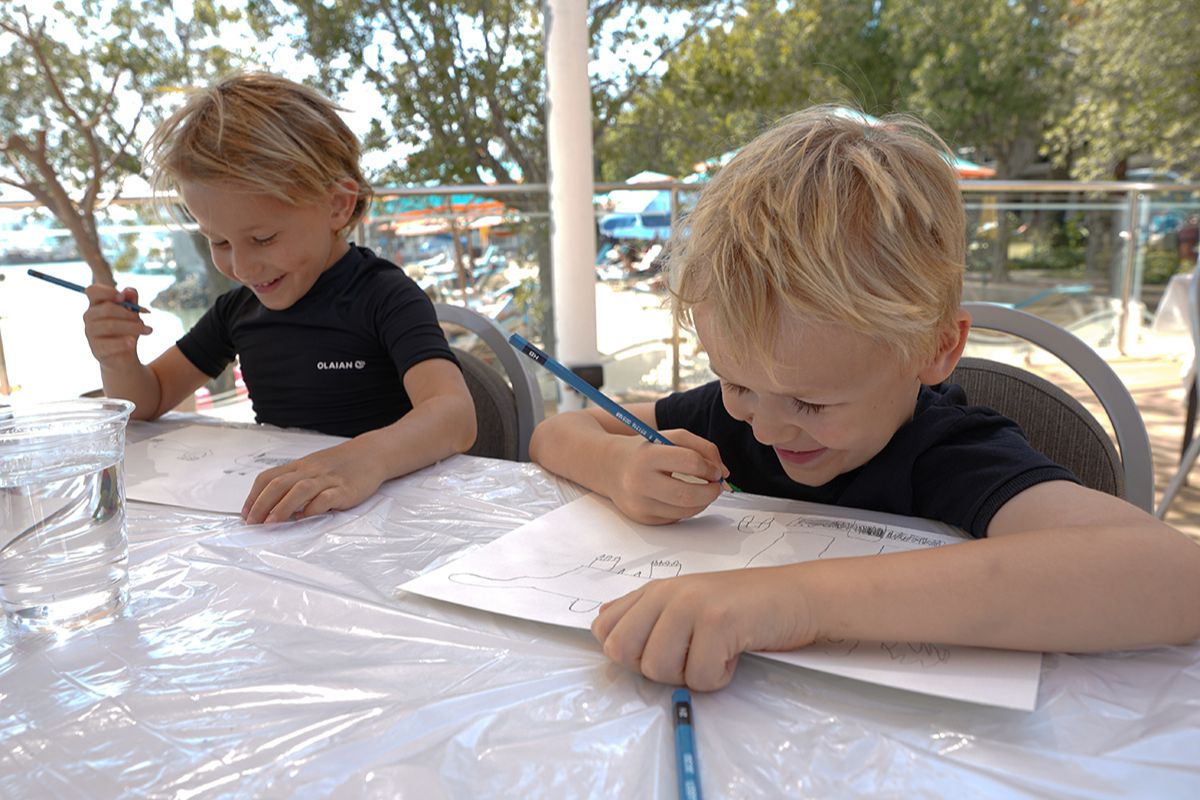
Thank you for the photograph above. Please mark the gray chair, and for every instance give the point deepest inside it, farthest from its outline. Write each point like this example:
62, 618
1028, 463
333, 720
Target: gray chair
1191, 445
508, 400
1054, 422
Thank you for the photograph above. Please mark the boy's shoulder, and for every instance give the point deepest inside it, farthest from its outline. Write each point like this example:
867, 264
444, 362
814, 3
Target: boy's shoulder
366, 277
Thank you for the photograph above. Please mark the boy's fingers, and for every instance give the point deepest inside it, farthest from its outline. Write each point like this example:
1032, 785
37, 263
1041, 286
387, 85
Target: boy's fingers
626, 641
666, 649
295, 499
685, 438
611, 612
710, 664
264, 496
326, 500
99, 293
118, 327
687, 462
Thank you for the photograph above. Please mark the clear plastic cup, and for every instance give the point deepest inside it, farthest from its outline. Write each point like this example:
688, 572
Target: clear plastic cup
63, 544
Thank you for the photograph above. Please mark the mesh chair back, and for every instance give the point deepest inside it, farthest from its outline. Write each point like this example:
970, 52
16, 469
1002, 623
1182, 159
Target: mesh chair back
503, 366
1135, 463
1055, 423
495, 409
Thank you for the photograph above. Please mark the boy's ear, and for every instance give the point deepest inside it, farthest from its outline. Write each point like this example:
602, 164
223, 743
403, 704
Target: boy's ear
950, 350
343, 197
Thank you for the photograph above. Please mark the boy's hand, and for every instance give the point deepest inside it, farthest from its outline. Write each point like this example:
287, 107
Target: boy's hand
643, 488
336, 478
691, 630
112, 330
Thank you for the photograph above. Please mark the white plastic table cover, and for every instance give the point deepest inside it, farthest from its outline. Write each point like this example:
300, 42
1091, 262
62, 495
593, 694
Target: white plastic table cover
281, 662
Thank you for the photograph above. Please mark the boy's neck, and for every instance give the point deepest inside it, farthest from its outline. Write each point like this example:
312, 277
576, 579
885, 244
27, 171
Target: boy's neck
337, 248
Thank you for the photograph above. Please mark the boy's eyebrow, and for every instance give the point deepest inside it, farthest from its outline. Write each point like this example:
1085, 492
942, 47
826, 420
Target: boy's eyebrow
248, 229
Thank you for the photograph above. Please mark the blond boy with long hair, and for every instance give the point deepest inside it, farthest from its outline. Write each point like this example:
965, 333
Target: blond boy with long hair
822, 270
330, 337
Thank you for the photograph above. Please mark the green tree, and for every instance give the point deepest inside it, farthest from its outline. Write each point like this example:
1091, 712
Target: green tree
982, 73
83, 79
1134, 69
463, 82
728, 83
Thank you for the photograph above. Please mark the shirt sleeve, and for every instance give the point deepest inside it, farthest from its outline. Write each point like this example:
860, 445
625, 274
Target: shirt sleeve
690, 410
407, 322
980, 462
209, 344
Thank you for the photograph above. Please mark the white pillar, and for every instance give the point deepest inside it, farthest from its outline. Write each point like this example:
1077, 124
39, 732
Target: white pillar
572, 221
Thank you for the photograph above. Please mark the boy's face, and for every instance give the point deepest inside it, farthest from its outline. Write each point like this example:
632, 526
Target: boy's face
276, 250
835, 399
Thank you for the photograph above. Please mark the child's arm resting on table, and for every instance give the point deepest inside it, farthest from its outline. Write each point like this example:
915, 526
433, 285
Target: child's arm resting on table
593, 448
1064, 568
440, 424
112, 332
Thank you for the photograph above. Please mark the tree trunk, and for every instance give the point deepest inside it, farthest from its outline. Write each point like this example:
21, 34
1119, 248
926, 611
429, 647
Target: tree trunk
82, 226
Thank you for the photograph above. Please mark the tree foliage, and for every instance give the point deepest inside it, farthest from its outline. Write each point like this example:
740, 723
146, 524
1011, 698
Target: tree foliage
1134, 76
728, 83
83, 80
981, 73
463, 83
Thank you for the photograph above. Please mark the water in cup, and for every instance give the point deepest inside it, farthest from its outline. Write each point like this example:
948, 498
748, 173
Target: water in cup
63, 542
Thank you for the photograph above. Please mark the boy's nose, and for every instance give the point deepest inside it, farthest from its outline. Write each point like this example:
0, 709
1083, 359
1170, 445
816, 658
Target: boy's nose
240, 265
770, 430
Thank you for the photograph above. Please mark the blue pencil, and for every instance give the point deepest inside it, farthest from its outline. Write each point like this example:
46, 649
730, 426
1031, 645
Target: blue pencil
687, 768
596, 396
586, 389
68, 285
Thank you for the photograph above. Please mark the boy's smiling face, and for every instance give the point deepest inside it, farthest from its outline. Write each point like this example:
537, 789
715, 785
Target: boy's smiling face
275, 249
832, 399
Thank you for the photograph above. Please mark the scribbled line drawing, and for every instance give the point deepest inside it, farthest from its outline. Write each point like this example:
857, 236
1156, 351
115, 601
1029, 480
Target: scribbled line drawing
587, 586
922, 653
257, 462
567, 584
182, 452
835, 647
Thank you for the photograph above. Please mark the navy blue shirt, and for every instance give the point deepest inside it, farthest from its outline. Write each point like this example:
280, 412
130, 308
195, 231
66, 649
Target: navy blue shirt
953, 462
335, 360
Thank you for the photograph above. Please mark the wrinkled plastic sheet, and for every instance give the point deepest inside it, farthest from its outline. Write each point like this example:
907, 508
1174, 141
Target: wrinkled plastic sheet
282, 662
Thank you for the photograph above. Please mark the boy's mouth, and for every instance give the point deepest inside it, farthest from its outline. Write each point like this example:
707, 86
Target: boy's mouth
266, 287
800, 456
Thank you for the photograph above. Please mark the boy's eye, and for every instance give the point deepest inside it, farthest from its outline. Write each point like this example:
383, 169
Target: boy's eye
806, 408
733, 387
211, 243
264, 239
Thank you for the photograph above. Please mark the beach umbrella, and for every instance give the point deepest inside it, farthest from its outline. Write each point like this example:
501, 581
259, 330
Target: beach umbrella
637, 213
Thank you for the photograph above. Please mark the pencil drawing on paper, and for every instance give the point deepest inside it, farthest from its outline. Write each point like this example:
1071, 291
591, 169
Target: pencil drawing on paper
563, 566
567, 584
764, 540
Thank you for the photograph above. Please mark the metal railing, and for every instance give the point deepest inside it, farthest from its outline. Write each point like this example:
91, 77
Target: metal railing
1116, 287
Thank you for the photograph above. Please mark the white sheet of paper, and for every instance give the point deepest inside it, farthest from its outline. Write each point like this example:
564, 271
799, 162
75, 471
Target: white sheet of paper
562, 566
209, 467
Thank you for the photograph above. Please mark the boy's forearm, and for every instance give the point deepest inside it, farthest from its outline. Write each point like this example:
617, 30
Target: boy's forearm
576, 447
430, 432
136, 383
1073, 590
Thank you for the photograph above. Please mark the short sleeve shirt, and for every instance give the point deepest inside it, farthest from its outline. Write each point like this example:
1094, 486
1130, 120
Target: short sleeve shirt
335, 360
953, 462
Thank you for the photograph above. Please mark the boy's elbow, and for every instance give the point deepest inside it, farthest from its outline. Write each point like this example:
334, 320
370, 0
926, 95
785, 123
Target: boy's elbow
465, 427
538, 441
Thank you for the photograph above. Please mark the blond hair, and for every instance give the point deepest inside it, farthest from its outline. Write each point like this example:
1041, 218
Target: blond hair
262, 134
835, 219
